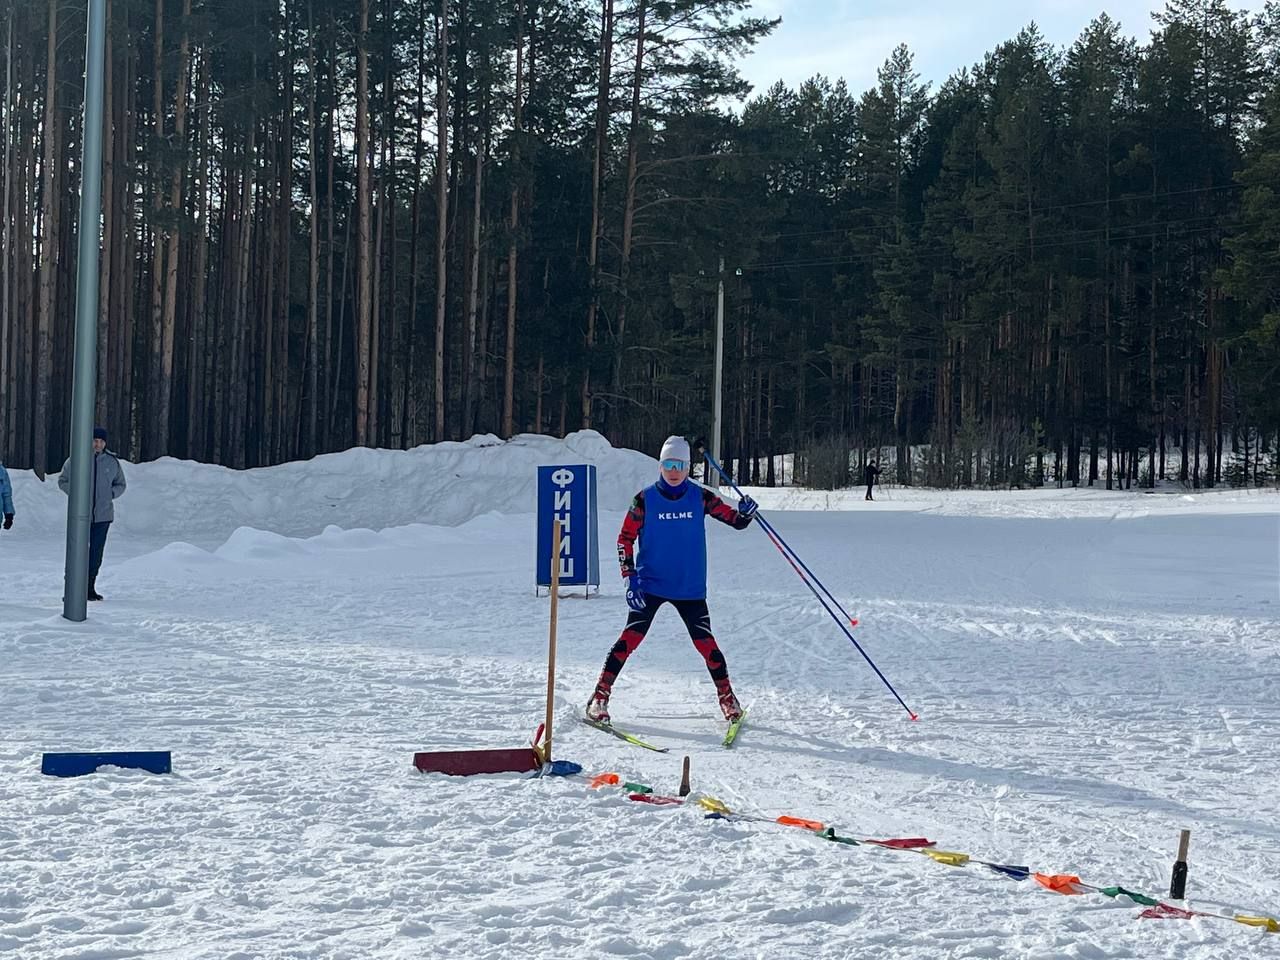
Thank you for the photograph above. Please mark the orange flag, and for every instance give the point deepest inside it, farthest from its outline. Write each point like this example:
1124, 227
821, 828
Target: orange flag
799, 822
1063, 883
605, 780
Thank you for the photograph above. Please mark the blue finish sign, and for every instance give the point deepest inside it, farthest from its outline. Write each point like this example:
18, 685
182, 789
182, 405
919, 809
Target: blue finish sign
568, 494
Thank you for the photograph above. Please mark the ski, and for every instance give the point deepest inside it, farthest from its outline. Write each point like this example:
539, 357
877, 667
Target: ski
732, 733
622, 735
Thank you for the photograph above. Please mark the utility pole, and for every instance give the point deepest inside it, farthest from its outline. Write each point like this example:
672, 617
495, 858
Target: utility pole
719, 376
75, 597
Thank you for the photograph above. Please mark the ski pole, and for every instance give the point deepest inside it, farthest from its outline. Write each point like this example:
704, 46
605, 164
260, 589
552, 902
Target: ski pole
790, 553
785, 549
787, 552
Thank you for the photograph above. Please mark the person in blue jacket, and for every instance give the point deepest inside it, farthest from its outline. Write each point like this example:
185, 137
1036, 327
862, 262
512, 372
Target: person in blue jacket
6, 499
669, 521
108, 484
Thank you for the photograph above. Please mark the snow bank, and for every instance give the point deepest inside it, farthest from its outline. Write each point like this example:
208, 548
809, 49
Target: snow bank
444, 484
451, 484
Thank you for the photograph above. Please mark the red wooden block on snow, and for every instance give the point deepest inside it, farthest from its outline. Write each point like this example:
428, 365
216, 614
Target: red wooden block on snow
464, 763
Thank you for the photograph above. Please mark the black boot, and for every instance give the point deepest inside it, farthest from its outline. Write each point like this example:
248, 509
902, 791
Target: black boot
93, 592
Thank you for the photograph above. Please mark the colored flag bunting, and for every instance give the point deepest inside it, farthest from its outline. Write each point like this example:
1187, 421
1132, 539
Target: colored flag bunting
1065, 884
949, 857
712, 804
903, 843
830, 834
1009, 870
1135, 897
1165, 911
1267, 923
800, 822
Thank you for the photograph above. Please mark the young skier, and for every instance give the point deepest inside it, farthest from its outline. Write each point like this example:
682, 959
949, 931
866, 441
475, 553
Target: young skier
668, 519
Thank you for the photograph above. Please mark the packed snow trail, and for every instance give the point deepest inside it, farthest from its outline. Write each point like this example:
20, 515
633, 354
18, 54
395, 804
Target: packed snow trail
1092, 676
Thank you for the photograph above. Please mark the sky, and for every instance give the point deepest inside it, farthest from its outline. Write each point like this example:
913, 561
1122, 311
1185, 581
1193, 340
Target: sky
852, 38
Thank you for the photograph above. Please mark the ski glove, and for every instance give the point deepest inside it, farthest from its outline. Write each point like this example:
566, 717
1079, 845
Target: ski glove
747, 507
8, 521
635, 596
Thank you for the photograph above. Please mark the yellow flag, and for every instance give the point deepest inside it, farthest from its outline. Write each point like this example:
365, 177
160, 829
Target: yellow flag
1266, 923
949, 857
714, 805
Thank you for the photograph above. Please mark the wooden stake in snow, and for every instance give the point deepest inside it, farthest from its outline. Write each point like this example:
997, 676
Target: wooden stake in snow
684, 779
551, 647
1178, 885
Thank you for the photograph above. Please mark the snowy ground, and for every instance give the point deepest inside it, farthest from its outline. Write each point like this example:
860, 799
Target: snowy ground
1093, 673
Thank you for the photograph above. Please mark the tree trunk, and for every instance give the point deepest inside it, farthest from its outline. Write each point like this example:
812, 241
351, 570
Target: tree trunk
364, 305
7, 326
106, 264
125, 286
201, 360
171, 280
513, 246
49, 251
388, 424
410, 411
153, 444
629, 207
442, 212
313, 253
332, 145
597, 198
473, 292
280, 446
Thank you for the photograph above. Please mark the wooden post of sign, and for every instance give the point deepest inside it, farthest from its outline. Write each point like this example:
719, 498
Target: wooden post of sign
684, 779
1178, 885
551, 646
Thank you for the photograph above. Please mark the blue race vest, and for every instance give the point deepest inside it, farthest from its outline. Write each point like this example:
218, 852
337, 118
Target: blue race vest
672, 560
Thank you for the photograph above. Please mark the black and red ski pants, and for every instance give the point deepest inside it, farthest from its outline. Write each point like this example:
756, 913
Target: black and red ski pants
697, 620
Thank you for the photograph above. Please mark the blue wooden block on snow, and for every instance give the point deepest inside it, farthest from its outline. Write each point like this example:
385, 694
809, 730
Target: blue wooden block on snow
78, 764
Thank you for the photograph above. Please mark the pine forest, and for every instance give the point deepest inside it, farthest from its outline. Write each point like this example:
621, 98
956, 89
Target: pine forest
330, 223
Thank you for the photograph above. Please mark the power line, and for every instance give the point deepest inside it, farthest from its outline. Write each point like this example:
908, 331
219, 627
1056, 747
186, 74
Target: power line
1129, 198
1051, 241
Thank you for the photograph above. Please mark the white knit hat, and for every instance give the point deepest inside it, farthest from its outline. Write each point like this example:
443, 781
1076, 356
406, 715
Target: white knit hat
674, 448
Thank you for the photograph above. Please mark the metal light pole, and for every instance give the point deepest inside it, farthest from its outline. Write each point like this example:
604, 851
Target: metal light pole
719, 377
84, 383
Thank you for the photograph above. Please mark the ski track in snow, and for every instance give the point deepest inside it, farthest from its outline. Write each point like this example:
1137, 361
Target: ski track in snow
1090, 680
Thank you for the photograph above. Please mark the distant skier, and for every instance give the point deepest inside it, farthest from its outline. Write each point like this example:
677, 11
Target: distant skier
108, 483
668, 518
871, 474
6, 499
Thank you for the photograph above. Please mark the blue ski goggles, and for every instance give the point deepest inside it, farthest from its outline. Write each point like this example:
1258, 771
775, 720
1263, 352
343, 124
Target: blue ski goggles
675, 464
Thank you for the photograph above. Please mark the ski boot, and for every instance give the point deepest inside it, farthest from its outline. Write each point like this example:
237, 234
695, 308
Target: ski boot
598, 708
729, 706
